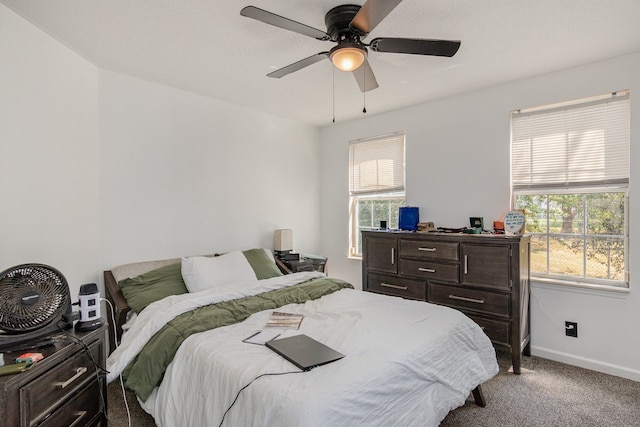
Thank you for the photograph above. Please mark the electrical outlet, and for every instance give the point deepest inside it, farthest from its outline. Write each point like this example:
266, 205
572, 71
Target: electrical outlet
571, 329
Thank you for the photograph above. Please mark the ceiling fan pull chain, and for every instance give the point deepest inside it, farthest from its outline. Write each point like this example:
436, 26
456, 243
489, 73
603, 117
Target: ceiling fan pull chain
333, 74
364, 94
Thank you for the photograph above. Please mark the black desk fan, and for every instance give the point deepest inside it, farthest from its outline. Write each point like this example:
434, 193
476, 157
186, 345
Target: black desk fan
34, 301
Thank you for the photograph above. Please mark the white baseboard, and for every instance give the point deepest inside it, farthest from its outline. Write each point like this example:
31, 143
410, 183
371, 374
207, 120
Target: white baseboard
582, 362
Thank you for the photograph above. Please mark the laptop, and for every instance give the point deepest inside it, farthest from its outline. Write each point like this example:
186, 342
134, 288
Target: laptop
303, 351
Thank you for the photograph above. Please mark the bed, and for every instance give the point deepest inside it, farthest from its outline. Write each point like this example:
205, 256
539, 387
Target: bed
406, 362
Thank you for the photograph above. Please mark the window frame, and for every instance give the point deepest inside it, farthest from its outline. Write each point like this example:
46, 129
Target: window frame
354, 228
539, 185
584, 236
395, 191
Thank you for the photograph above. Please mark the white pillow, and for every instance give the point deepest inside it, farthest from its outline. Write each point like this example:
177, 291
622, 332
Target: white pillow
201, 273
269, 254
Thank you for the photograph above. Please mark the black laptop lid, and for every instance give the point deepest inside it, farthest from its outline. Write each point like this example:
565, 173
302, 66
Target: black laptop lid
304, 352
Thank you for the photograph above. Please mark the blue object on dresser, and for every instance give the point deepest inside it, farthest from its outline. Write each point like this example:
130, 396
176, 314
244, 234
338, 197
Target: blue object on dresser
408, 218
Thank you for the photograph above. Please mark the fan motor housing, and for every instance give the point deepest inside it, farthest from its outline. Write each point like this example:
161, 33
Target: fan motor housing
338, 19
29, 297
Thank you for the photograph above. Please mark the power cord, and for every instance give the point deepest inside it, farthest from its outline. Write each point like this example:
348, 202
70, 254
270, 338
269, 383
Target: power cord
251, 382
115, 341
101, 373
539, 303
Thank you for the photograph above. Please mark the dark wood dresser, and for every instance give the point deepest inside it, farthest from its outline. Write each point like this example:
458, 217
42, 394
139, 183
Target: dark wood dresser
483, 275
63, 389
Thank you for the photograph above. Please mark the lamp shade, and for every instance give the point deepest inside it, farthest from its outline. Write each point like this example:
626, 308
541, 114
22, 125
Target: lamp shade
283, 240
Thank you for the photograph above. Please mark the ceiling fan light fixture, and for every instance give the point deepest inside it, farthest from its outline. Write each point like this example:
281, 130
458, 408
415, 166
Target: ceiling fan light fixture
348, 58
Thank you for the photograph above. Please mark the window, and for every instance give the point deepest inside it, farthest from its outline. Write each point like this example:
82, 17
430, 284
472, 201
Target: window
376, 185
570, 174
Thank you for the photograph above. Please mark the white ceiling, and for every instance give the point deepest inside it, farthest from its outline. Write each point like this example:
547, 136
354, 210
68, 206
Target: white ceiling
206, 47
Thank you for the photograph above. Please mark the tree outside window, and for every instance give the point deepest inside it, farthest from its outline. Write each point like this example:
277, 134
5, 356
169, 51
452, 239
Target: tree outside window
577, 235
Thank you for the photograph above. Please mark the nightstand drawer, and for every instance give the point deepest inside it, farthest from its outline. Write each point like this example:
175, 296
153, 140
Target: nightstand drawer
79, 410
429, 270
470, 299
429, 249
43, 395
392, 285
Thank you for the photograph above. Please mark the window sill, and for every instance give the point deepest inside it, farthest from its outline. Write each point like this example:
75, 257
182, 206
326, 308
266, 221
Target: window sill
578, 287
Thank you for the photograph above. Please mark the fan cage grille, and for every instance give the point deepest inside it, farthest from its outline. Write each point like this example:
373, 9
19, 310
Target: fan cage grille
52, 300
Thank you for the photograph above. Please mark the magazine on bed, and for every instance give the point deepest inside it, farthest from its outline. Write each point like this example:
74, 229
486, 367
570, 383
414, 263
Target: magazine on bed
282, 320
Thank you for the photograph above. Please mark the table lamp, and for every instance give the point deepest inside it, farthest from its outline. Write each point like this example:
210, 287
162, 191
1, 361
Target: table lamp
283, 242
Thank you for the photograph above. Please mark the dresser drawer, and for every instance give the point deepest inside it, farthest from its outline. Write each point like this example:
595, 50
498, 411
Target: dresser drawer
40, 397
431, 249
429, 270
469, 299
392, 285
497, 331
81, 409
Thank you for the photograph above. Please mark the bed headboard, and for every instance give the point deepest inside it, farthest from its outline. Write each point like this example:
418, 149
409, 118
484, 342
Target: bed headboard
119, 307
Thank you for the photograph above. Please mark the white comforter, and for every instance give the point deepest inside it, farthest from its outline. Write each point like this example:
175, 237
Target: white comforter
407, 363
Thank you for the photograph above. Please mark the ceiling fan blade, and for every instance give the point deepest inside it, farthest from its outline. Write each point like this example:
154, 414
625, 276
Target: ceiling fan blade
298, 65
416, 46
282, 22
365, 78
371, 14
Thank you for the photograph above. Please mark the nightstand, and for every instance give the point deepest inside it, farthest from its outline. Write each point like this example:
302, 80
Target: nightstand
61, 389
308, 263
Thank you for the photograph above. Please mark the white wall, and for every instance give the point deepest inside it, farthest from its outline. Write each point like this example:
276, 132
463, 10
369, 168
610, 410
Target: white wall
99, 169
182, 174
458, 166
49, 162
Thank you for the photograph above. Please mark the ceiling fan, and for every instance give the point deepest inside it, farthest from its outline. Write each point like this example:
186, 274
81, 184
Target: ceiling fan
347, 25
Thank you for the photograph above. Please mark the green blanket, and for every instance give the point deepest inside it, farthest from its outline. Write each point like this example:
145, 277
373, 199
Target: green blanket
146, 371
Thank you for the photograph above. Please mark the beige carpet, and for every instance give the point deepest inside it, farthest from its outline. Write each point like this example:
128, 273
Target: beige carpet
547, 393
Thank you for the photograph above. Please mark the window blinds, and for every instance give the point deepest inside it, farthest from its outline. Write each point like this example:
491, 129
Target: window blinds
581, 144
377, 164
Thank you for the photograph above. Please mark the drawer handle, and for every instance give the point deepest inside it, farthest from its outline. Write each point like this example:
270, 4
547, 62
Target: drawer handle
388, 285
79, 372
79, 416
426, 270
477, 301
427, 249
393, 256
